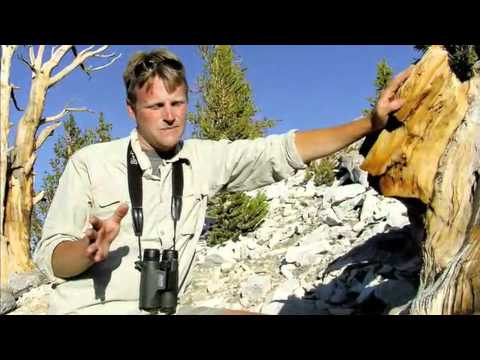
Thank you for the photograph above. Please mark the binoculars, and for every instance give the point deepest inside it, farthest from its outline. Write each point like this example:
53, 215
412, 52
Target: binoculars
158, 281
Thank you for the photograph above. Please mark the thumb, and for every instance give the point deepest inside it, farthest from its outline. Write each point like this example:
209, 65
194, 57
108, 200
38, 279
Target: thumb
120, 213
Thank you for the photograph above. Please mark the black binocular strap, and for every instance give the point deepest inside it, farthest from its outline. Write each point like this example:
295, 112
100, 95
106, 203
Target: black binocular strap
134, 172
177, 191
135, 187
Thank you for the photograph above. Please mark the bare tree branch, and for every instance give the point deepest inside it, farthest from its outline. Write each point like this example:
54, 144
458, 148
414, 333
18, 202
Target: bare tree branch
45, 134
38, 60
12, 95
38, 197
104, 56
55, 59
92, 69
63, 113
22, 59
53, 50
31, 54
80, 59
86, 50
75, 54
82, 65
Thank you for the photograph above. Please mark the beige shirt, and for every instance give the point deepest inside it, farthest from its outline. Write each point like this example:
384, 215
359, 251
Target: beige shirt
95, 183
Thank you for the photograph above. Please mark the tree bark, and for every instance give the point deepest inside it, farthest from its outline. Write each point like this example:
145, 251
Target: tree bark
20, 184
5, 93
430, 157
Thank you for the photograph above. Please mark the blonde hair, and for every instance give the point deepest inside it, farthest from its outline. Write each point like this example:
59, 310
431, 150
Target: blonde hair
144, 66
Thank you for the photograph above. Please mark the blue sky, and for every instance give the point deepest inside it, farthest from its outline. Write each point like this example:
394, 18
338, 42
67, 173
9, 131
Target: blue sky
304, 87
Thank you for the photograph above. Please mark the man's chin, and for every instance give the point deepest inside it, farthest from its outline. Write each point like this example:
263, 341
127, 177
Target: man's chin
167, 146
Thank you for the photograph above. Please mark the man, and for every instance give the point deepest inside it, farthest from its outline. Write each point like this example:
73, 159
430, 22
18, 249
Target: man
89, 248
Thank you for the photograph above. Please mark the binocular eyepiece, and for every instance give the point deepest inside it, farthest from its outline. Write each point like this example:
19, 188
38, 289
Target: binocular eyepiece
158, 281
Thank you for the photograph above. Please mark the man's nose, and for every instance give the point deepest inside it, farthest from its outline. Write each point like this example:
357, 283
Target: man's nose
168, 114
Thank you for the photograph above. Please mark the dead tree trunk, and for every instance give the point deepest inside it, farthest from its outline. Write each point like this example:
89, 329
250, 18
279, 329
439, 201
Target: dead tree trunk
5, 93
19, 195
431, 157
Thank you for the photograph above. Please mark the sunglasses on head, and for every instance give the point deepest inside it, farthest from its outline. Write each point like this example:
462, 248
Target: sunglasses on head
151, 64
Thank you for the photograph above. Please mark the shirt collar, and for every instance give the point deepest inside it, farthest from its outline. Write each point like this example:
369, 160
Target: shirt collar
144, 161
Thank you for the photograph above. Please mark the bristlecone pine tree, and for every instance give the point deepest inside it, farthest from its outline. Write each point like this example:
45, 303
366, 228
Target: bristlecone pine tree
430, 160
226, 111
17, 162
72, 140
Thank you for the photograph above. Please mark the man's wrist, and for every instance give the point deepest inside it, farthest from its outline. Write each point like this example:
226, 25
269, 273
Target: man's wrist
368, 124
375, 122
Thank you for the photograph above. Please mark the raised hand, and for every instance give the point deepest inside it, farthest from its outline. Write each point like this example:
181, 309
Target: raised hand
102, 234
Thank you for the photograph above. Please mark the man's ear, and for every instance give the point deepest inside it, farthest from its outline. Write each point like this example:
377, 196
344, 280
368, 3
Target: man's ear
130, 110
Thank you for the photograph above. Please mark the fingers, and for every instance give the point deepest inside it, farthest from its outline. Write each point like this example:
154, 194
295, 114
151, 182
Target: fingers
99, 244
102, 252
398, 81
91, 235
97, 252
91, 251
387, 103
96, 222
397, 104
103, 233
402, 77
120, 213
99, 256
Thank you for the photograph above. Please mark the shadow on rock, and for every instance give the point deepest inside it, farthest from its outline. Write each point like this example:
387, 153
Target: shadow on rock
395, 248
375, 277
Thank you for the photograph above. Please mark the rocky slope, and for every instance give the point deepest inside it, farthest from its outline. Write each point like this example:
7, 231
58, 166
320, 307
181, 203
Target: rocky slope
322, 250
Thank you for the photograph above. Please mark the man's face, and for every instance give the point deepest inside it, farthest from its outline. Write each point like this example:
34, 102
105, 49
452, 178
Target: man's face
160, 116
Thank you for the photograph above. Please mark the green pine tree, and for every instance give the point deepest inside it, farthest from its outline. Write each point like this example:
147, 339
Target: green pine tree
236, 214
383, 77
226, 111
322, 171
72, 140
226, 108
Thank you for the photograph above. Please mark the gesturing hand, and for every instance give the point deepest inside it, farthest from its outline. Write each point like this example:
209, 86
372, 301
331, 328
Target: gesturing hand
103, 233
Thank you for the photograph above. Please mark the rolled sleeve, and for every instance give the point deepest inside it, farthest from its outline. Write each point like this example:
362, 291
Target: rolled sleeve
67, 216
293, 157
43, 255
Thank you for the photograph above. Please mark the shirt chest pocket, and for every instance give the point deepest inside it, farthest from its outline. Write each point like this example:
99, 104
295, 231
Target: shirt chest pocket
106, 203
